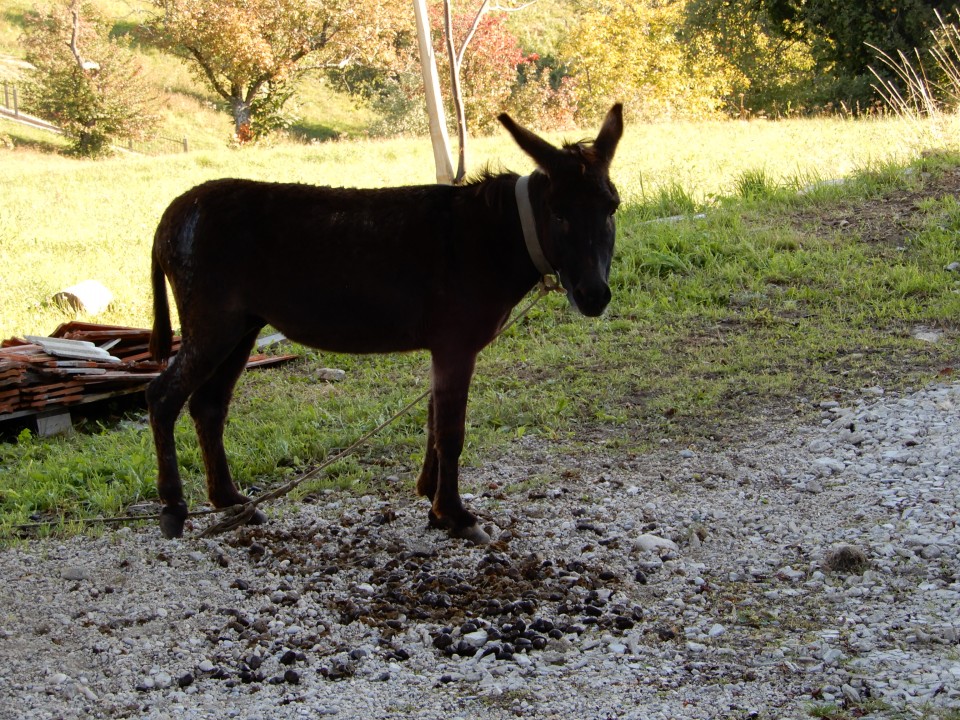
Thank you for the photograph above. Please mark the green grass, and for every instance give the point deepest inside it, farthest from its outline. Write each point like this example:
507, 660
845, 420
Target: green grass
11, 26
717, 324
81, 220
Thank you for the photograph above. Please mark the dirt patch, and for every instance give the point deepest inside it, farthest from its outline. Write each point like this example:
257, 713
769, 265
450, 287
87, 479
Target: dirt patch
888, 221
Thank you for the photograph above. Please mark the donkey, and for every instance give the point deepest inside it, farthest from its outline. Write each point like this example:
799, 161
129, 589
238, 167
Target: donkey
432, 267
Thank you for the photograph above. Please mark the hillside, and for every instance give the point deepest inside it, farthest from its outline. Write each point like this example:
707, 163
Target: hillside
189, 109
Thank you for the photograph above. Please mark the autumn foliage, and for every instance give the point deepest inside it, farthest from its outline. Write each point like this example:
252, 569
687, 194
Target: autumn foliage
245, 51
497, 75
251, 52
665, 60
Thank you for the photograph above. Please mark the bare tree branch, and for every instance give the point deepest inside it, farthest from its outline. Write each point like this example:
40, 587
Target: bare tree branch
73, 37
456, 60
85, 65
514, 8
470, 33
455, 88
208, 71
485, 8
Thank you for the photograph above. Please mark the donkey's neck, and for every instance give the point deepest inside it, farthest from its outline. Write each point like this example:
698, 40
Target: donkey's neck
487, 210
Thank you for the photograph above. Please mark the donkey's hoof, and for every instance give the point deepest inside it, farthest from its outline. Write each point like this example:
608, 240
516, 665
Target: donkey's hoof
259, 517
172, 520
472, 533
468, 530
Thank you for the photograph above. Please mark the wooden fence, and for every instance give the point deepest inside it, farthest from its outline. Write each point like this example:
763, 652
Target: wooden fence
11, 97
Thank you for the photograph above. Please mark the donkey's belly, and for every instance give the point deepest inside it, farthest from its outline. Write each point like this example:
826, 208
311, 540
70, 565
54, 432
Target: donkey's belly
349, 331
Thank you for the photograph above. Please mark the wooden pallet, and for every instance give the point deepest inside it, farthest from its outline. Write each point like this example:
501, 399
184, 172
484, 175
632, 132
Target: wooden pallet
80, 363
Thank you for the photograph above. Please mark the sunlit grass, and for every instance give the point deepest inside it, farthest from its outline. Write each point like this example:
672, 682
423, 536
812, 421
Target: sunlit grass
78, 220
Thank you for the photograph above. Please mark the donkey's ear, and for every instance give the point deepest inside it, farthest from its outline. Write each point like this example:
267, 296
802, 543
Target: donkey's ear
610, 132
543, 153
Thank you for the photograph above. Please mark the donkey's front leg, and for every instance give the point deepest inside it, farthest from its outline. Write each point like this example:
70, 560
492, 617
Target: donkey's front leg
427, 482
451, 385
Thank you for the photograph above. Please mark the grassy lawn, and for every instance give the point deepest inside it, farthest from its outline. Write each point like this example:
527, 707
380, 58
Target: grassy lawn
81, 220
780, 297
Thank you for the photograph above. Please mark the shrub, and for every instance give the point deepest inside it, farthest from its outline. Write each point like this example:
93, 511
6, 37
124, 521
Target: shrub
84, 81
496, 75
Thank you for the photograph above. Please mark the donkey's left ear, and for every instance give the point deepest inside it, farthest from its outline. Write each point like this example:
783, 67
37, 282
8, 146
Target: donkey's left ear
610, 132
542, 152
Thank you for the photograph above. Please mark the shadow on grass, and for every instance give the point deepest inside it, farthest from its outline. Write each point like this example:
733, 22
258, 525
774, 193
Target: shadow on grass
308, 131
134, 32
56, 145
15, 18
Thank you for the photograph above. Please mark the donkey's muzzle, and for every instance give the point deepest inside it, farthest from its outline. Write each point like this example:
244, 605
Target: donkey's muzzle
590, 302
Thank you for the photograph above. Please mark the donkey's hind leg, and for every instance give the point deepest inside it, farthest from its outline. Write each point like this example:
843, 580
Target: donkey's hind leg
166, 396
208, 408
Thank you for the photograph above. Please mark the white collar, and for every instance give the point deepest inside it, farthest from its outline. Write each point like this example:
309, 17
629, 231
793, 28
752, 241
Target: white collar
529, 226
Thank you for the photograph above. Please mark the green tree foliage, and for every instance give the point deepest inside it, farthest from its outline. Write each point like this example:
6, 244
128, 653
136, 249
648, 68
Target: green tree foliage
252, 51
85, 82
545, 94
389, 80
771, 73
838, 32
635, 51
693, 58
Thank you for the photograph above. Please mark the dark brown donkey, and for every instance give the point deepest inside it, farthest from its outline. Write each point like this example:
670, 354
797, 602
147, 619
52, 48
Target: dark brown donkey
369, 271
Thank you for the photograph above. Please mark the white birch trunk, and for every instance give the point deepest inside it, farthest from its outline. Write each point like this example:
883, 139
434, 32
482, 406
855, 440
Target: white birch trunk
431, 84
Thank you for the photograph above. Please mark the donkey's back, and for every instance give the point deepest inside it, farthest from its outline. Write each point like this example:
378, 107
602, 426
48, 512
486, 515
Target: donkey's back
345, 270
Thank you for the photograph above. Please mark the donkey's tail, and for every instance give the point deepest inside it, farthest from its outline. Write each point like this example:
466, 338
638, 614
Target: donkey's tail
161, 339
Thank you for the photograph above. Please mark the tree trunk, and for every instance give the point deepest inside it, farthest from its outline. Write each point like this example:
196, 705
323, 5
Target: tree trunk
241, 118
431, 84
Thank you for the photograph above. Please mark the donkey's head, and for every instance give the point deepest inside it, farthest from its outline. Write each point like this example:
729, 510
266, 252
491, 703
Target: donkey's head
575, 213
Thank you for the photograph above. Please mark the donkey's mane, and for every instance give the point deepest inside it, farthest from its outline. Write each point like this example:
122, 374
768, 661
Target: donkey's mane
582, 150
487, 174
494, 187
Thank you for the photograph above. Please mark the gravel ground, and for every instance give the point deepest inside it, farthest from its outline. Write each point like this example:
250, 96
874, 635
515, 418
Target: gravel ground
810, 570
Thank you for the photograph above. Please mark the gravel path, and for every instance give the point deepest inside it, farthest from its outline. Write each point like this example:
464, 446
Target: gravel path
808, 570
